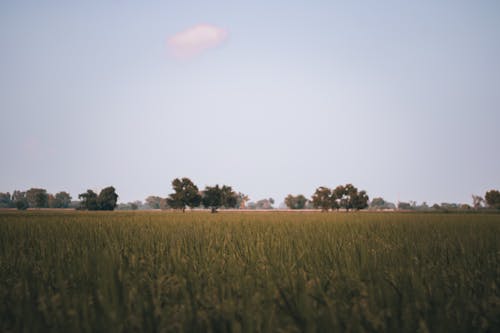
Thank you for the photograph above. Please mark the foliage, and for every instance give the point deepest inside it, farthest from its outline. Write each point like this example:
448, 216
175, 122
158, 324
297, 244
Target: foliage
295, 202
241, 200
107, 199
492, 199
62, 199
264, 204
135, 205
378, 203
22, 204
5, 200
88, 200
19, 200
343, 196
37, 198
153, 201
214, 197
263, 272
186, 193
322, 198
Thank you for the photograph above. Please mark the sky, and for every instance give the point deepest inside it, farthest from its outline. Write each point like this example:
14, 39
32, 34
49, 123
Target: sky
401, 99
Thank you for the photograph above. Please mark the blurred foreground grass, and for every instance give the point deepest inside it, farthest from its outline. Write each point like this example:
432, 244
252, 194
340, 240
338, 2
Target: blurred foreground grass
249, 272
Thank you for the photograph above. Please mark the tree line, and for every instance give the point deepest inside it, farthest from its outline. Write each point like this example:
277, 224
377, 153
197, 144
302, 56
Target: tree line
40, 198
187, 195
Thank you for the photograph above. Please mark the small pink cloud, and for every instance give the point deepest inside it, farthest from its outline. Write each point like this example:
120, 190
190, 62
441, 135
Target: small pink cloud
196, 39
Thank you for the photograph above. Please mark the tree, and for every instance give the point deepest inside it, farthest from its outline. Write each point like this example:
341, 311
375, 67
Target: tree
265, 204
22, 204
229, 197
359, 200
153, 201
5, 200
378, 203
60, 200
295, 202
164, 204
212, 197
19, 200
322, 198
241, 200
107, 199
477, 201
215, 197
186, 194
339, 197
343, 196
37, 198
352, 198
492, 199
88, 200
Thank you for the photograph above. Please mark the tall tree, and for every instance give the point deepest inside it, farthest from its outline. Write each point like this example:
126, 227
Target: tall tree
37, 198
215, 197
107, 198
295, 202
492, 199
343, 196
212, 197
186, 193
322, 198
19, 200
88, 200
61, 200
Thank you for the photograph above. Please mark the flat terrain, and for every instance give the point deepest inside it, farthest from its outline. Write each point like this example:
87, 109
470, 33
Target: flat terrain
249, 272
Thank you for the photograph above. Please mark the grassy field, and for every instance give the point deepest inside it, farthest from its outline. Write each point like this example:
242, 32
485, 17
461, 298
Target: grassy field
249, 272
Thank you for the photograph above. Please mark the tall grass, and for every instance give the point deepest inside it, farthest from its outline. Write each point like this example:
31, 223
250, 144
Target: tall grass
249, 272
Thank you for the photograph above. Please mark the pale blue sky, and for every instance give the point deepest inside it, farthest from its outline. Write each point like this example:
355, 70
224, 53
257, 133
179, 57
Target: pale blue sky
401, 99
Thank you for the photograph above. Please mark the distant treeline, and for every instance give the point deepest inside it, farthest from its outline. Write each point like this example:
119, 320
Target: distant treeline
187, 195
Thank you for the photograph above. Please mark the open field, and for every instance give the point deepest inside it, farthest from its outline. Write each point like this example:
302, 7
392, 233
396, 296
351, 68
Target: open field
249, 272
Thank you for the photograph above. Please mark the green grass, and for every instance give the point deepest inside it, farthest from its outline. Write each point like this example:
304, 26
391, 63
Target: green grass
249, 272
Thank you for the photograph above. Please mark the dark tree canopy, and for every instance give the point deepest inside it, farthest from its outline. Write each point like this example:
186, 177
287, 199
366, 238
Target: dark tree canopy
492, 199
22, 204
322, 198
88, 200
107, 199
215, 197
343, 196
37, 198
295, 202
61, 200
186, 193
